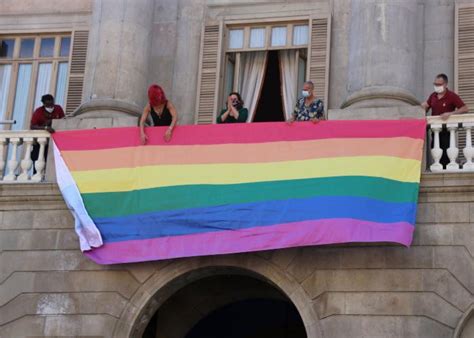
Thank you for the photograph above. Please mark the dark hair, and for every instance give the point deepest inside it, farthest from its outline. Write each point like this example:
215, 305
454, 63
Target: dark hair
47, 97
238, 96
442, 76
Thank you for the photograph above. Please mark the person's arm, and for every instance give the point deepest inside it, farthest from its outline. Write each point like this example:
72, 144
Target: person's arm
60, 112
174, 120
319, 112
461, 108
293, 114
143, 118
222, 116
425, 106
36, 120
243, 114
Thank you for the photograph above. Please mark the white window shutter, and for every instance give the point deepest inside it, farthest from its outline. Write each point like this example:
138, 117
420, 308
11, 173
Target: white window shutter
211, 45
76, 70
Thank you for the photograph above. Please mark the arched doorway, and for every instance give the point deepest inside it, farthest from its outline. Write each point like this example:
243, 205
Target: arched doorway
226, 305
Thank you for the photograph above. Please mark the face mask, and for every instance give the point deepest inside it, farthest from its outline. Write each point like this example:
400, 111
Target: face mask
49, 109
305, 93
439, 89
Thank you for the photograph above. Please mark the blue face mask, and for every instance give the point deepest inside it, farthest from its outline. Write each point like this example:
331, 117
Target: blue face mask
305, 93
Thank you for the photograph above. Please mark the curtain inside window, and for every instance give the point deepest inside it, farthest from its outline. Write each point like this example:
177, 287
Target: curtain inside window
252, 70
43, 82
21, 97
278, 36
289, 79
257, 37
61, 84
5, 74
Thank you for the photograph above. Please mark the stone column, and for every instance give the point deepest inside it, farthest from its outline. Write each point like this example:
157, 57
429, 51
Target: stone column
116, 76
384, 68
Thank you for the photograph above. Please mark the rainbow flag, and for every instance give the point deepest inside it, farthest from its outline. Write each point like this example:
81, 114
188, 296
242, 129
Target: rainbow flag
219, 189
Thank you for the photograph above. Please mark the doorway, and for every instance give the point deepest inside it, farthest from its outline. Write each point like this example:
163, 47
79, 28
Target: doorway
230, 305
270, 104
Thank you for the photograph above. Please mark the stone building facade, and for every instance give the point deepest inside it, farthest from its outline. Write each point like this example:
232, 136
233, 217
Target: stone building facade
369, 60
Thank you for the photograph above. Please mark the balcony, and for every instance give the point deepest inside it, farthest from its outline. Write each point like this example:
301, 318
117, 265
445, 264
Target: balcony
460, 151
16, 165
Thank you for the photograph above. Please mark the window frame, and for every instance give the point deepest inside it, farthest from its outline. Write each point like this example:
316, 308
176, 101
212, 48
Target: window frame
246, 27
289, 23
15, 61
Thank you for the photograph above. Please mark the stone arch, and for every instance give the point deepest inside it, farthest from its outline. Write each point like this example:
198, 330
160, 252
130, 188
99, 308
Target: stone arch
168, 280
465, 327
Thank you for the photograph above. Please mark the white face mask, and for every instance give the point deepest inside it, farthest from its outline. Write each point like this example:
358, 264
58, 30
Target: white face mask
439, 89
305, 93
49, 109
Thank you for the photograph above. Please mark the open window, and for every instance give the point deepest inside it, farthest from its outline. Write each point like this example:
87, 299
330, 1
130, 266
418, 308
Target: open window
266, 63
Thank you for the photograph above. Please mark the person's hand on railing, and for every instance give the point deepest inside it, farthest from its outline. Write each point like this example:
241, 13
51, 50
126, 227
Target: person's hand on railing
445, 116
143, 138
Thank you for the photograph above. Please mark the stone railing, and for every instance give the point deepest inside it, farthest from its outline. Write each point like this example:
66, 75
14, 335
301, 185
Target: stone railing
460, 151
16, 165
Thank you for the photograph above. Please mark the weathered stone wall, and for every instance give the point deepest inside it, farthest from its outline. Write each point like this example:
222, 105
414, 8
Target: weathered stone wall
48, 288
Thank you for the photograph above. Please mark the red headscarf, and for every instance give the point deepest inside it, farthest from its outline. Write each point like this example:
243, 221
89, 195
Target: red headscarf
156, 95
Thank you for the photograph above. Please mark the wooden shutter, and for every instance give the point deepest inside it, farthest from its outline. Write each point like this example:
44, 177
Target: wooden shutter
209, 73
76, 70
319, 57
464, 63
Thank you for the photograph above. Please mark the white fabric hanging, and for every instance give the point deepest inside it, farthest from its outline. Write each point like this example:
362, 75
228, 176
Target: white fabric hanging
21, 97
278, 36
61, 84
257, 38
289, 79
252, 71
5, 73
43, 82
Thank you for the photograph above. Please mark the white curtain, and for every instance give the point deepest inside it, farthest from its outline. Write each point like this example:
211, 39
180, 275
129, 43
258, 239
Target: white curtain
61, 84
257, 37
252, 71
289, 79
300, 35
5, 73
21, 97
278, 36
43, 82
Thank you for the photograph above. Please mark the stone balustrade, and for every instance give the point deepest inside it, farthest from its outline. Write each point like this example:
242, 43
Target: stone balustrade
16, 165
460, 150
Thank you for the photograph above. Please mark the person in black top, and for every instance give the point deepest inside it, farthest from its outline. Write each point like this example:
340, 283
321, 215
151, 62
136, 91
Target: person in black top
161, 111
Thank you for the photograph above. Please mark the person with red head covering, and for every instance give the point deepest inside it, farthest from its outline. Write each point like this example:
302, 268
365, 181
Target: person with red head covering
160, 110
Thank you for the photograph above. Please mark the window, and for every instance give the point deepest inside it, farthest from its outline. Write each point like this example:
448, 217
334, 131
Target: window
31, 66
262, 62
234, 52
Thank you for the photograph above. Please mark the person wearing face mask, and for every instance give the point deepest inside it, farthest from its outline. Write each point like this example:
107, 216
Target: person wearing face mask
43, 116
235, 112
42, 119
308, 107
444, 103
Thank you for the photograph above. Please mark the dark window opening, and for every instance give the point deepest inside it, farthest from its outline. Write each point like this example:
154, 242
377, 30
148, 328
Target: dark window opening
270, 103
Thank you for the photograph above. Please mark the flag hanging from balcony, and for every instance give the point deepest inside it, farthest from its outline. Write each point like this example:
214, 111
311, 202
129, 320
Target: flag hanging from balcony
218, 189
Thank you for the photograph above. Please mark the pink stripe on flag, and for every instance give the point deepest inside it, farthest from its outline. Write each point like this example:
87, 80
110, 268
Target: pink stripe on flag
317, 232
239, 133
